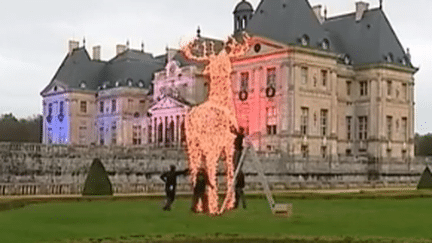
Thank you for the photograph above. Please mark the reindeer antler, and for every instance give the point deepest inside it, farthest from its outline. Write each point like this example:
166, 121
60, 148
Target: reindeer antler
238, 49
187, 50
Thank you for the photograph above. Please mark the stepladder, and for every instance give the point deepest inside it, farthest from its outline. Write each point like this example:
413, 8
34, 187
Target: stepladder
280, 209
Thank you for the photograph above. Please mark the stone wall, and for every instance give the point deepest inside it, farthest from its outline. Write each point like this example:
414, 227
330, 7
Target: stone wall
40, 169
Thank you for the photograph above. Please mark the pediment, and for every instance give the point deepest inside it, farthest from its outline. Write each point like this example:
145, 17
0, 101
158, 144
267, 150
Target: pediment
262, 46
54, 88
167, 102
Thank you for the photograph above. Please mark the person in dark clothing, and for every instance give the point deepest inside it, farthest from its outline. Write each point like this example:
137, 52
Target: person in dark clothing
170, 179
238, 144
239, 194
200, 190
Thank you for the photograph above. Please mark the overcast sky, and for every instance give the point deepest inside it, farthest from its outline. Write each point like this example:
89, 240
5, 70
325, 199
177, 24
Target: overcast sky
34, 38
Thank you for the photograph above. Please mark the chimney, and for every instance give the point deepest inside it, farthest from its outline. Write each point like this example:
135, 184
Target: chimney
96, 53
171, 53
317, 11
361, 8
73, 45
120, 48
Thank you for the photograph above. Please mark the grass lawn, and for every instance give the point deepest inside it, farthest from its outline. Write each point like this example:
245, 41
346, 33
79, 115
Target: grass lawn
84, 221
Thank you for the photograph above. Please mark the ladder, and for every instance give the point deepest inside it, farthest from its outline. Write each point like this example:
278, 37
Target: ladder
283, 209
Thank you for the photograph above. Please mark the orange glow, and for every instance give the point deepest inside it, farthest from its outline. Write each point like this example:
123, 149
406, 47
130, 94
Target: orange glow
208, 125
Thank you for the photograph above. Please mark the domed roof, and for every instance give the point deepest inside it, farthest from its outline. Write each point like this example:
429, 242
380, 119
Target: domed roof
243, 5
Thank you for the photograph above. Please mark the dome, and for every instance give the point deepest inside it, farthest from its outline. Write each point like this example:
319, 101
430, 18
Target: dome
243, 5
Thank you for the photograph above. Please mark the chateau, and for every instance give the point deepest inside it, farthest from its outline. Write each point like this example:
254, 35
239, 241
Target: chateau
310, 87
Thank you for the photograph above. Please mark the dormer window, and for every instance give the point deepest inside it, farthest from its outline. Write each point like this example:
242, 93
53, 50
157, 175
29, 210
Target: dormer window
389, 58
117, 83
141, 84
83, 85
325, 44
347, 59
304, 40
55, 89
129, 82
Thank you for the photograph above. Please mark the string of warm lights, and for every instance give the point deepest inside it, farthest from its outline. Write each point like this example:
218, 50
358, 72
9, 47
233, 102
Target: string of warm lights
208, 125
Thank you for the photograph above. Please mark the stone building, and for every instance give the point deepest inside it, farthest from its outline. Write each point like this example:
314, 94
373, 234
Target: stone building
90, 101
323, 87
310, 87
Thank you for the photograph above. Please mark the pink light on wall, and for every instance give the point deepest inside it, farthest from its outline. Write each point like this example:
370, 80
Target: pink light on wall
208, 125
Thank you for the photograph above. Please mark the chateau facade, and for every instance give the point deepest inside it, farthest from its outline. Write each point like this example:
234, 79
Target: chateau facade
309, 87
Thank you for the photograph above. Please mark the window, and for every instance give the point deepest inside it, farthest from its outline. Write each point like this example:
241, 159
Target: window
349, 127
149, 134
61, 108
271, 120
324, 77
304, 120
271, 77
304, 151
113, 106
389, 88
244, 81
304, 75
323, 152
114, 133
362, 131
101, 107
389, 127
130, 104
348, 88
323, 121
82, 133
83, 106
101, 135
136, 134
404, 91
404, 129
363, 88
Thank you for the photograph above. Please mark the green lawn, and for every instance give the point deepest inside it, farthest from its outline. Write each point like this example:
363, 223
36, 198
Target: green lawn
356, 218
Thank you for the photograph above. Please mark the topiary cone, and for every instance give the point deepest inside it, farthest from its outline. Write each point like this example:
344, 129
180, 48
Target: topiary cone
97, 182
425, 180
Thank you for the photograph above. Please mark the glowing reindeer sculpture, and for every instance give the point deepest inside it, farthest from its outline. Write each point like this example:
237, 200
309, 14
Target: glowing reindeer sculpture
208, 125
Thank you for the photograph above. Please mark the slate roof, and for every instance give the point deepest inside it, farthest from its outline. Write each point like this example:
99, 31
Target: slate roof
78, 67
286, 21
369, 40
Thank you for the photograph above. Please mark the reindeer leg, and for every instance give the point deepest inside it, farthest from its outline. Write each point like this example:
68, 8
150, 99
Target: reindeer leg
212, 161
